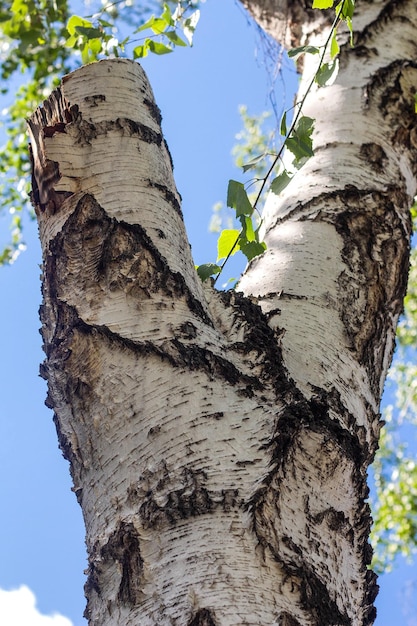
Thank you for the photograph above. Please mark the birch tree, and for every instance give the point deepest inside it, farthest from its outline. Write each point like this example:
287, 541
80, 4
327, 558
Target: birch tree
219, 442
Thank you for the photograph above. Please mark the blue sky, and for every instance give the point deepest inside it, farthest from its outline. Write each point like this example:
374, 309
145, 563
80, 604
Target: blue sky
41, 530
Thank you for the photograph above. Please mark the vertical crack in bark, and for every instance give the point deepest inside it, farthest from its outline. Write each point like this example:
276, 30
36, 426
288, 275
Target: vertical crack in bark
124, 546
118, 559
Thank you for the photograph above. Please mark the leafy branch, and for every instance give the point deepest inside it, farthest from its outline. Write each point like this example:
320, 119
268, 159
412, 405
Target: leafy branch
96, 37
297, 140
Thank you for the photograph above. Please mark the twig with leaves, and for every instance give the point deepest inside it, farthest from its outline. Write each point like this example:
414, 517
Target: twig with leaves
297, 140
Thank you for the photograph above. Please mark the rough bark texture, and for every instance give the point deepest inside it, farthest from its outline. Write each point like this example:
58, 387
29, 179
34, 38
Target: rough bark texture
219, 442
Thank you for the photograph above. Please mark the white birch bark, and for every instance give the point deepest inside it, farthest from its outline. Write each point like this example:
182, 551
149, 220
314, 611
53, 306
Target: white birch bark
219, 442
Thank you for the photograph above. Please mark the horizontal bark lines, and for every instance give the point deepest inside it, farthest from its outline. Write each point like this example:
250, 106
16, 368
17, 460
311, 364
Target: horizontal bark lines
218, 442
155, 386
334, 277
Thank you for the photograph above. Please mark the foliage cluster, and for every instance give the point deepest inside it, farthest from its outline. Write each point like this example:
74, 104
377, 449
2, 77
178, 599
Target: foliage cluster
32, 38
40, 41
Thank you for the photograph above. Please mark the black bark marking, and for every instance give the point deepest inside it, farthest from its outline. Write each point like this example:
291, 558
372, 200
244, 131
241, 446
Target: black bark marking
316, 600
170, 157
122, 554
119, 254
350, 437
391, 90
154, 110
106, 254
132, 129
285, 619
123, 546
260, 339
194, 357
380, 230
185, 495
381, 284
361, 51
203, 617
372, 589
314, 414
95, 100
49, 131
187, 330
169, 196
374, 154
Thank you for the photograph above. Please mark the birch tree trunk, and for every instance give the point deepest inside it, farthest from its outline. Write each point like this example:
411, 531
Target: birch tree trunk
219, 442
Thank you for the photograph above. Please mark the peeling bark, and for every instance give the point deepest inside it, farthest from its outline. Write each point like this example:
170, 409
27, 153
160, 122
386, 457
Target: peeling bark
219, 442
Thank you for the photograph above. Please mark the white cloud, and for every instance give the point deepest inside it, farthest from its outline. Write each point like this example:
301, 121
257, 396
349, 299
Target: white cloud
18, 608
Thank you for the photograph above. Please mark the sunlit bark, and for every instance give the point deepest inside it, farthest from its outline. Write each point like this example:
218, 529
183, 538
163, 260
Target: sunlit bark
219, 442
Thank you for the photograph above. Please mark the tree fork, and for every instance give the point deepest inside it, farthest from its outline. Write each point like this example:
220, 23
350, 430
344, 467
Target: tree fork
218, 485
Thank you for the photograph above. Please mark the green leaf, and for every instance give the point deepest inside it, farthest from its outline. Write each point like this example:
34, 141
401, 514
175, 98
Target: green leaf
295, 52
300, 143
299, 148
94, 47
88, 33
19, 8
140, 52
283, 125
253, 249
248, 230
305, 126
90, 49
157, 25
77, 21
350, 27
334, 46
323, 4
253, 162
280, 182
85, 54
71, 41
326, 73
167, 15
176, 40
159, 48
105, 23
237, 198
415, 103
145, 25
346, 9
227, 243
208, 269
